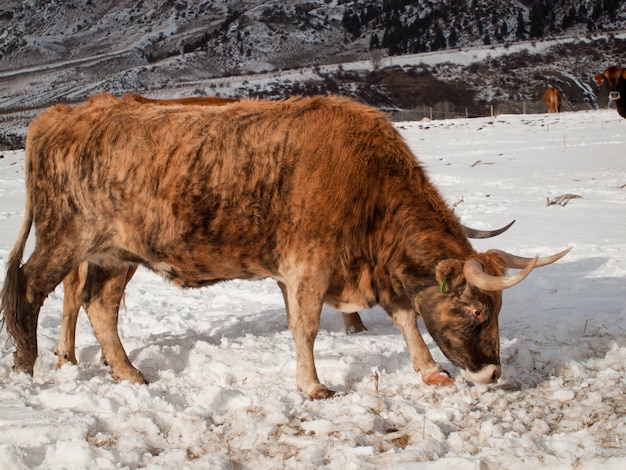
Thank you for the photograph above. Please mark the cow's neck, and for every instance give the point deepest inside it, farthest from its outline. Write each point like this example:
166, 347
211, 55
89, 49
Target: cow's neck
413, 256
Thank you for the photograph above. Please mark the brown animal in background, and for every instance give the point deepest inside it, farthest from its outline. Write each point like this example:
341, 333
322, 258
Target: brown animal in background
552, 100
207, 194
615, 79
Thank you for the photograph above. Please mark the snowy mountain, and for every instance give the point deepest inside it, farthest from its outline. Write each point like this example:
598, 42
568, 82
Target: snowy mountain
66, 50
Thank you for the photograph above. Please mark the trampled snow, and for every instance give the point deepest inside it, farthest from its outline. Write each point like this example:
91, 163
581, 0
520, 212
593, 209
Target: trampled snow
222, 366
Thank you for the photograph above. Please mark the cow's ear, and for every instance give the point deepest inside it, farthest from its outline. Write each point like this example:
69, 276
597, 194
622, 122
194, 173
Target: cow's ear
624, 73
599, 78
449, 274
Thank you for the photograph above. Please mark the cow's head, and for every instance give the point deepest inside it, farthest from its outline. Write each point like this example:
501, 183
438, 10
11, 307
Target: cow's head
461, 313
612, 76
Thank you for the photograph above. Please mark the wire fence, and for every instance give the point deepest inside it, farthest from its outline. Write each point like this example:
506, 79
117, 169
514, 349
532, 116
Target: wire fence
450, 111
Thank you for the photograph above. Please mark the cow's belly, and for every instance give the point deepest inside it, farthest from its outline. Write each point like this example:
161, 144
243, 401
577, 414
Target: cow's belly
345, 306
189, 269
199, 276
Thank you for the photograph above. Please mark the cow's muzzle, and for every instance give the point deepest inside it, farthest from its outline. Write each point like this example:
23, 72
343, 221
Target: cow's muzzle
488, 374
614, 95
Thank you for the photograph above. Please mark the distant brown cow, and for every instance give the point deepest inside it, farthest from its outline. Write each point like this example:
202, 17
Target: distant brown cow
552, 100
207, 194
615, 78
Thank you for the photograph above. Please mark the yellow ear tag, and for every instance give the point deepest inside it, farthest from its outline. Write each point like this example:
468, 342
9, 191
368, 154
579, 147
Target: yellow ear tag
442, 289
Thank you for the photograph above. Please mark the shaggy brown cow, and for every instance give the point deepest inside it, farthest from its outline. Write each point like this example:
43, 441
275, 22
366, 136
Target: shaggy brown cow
552, 100
74, 282
206, 194
615, 78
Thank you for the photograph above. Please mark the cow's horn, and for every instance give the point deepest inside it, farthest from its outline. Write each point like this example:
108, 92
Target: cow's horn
519, 262
473, 233
476, 276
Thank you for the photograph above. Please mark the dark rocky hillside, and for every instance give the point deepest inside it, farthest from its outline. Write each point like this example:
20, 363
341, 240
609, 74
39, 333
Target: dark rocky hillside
413, 57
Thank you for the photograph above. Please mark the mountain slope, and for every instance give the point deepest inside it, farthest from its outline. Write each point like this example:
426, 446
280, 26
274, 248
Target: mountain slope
65, 50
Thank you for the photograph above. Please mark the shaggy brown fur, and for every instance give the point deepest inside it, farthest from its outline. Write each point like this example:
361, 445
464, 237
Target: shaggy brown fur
204, 194
74, 283
195, 100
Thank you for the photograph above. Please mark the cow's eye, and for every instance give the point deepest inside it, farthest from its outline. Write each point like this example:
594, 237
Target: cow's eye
477, 313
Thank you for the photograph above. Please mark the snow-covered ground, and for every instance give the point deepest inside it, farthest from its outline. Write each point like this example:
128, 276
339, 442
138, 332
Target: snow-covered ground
221, 360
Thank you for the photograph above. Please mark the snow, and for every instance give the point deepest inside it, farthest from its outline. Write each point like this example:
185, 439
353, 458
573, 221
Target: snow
222, 366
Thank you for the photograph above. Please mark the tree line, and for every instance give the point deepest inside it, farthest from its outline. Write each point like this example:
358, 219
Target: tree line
404, 27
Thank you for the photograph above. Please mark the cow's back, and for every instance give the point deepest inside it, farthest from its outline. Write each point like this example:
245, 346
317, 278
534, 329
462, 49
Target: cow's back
201, 193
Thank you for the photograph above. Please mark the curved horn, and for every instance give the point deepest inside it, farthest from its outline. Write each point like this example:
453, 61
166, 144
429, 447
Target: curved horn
519, 262
473, 233
475, 275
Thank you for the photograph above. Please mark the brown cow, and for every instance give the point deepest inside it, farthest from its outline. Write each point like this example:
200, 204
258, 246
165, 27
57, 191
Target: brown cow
74, 282
615, 79
207, 194
552, 100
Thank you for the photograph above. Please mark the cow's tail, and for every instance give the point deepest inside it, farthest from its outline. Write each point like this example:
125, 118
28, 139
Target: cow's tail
11, 294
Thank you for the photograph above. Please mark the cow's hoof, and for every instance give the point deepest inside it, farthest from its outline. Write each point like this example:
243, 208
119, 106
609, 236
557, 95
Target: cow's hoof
353, 323
353, 329
133, 376
439, 377
21, 364
65, 358
320, 392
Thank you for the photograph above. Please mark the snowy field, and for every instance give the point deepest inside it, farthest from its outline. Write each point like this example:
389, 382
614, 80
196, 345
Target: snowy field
222, 366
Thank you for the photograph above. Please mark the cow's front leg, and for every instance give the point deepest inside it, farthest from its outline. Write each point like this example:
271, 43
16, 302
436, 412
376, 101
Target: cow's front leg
304, 307
422, 360
101, 297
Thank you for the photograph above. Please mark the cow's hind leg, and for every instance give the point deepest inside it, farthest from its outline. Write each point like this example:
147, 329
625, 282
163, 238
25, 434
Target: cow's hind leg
24, 291
101, 298
72, 287
353, 323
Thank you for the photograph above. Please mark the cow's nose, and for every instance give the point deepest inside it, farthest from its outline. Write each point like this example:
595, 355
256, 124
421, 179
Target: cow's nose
488, 374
